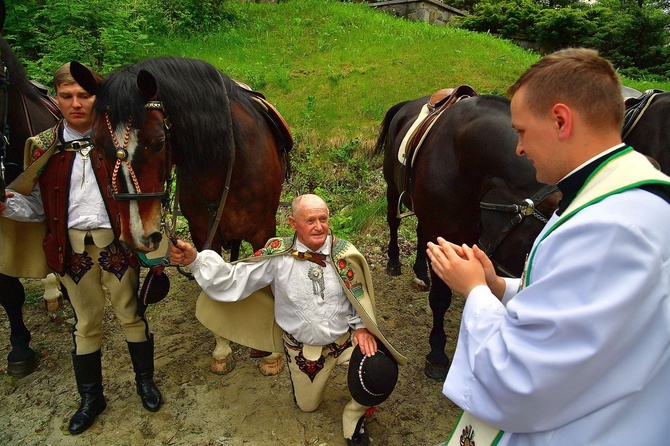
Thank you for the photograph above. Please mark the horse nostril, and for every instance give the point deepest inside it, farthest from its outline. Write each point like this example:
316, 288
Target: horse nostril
155, 238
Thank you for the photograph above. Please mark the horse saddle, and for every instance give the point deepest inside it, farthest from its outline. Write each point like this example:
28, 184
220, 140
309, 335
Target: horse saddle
48, 101
280, 126
436, 105
635, 108
413, 139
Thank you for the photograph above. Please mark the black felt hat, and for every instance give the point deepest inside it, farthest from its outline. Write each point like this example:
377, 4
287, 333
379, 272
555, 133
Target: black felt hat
154, 289
371, 379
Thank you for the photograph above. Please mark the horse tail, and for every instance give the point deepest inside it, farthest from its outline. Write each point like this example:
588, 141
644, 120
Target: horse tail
385, 125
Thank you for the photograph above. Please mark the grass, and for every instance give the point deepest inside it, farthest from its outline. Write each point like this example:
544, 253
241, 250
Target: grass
334, 68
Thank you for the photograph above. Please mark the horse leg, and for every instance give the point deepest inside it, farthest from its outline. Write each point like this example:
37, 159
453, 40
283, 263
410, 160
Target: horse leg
437, 362
21, 360
421, 280
235, 250
393, 267
53, 296
271, 363
223, 361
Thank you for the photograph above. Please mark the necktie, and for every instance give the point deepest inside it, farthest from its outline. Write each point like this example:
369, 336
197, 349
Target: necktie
314, 257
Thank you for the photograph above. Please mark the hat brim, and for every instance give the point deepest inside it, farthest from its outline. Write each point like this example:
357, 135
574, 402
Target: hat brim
154, 289
371, 379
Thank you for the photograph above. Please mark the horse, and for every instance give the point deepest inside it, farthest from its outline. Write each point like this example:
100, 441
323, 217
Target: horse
470, 149
469, 186
24, 112
650, 134
229, 150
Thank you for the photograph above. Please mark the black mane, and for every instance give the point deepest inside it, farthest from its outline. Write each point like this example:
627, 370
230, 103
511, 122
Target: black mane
16, 72
193, 98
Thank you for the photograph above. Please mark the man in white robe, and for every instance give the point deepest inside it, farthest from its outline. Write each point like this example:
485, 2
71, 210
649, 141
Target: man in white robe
577, 351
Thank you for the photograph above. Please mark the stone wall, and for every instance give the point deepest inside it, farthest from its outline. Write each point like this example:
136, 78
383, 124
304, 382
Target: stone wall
430, 11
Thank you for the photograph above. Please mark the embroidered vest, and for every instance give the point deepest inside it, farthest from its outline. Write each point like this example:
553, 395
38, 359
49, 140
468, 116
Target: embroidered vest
54, 181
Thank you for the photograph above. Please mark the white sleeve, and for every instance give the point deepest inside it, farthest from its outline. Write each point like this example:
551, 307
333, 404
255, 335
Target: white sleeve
227, 282
25, 207
583, 335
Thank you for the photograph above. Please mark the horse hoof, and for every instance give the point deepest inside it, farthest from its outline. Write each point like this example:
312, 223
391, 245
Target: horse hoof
271, 366
394, 270
222, 366
52, 305
20, 369
436, 371
419, 285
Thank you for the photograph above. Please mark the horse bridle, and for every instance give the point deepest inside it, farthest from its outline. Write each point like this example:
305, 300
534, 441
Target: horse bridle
122, 157
527, 208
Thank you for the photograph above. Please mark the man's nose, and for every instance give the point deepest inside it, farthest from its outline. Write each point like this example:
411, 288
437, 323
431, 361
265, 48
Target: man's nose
519, 149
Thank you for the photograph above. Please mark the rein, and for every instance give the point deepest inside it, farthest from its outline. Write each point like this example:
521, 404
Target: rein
525, 209
215, 218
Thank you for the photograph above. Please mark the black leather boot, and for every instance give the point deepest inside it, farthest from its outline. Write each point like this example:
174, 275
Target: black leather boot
142, 355
88, 373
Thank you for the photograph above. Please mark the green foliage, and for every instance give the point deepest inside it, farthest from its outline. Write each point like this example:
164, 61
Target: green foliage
636, 39
99, 33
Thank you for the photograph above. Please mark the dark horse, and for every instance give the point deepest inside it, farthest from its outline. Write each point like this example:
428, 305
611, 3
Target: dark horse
22, 115
650, 135
465, 173
469, 152
226, 143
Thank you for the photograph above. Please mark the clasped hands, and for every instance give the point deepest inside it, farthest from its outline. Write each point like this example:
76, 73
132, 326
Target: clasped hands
463, 268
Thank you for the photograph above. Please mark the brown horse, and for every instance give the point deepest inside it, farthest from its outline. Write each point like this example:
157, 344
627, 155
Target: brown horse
23, 113
222, 139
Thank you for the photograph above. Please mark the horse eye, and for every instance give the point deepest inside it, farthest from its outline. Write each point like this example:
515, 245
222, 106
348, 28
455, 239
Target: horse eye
158, 145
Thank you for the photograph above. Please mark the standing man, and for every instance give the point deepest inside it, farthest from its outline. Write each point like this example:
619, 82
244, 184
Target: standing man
577, 351
323, 303
82, 246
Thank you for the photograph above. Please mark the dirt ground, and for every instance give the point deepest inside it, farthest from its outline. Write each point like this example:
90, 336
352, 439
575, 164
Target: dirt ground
201, 408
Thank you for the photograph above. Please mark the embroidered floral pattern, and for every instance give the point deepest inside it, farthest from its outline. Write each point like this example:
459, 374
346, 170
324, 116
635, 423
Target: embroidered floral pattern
79, 265
336, 350
273, 246
114, 260
467, 436
311, 368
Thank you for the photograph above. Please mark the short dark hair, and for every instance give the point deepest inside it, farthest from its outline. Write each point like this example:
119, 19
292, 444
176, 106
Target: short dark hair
579, 78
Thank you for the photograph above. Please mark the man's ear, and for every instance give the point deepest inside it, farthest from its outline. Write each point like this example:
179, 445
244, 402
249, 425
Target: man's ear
562, 116
291, 221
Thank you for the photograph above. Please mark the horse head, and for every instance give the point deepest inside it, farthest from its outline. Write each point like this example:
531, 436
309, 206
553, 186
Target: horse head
131, 131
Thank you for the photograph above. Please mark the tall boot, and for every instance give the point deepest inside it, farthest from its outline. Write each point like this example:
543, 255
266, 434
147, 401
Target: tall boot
142, 355
88, 373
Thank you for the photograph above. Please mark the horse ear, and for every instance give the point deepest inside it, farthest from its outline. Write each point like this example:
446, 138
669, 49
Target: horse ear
146, 85
88, 80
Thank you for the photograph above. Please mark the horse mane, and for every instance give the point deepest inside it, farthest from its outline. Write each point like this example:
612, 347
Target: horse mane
16, 72
194, 101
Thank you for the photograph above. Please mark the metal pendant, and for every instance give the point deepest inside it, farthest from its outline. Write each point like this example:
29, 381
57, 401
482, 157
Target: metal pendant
315, 274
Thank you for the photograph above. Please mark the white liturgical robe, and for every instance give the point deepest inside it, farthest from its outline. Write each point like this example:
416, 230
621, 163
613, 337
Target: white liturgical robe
580, 356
